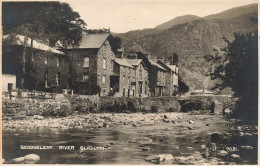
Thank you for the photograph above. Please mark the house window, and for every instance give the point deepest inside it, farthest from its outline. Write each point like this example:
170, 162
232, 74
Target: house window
140, 73
104, 79
85, 77
46, 80
57, 79
86, 62
58, 61
46, 59
112, 66
104, 63
129, 71
140, 87
123, 77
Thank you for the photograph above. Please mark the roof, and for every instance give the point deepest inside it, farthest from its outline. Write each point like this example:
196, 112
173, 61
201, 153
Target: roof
172, 67
134, 62
19, 40
123, 62
93, 40
156, 64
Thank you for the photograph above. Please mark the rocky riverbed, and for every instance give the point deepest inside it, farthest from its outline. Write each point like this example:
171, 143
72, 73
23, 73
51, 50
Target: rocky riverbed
109, 138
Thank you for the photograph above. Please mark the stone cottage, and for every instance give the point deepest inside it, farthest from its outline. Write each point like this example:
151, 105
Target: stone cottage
92, 63
45, 67
157, 79
171, 78
139, 86
125, 75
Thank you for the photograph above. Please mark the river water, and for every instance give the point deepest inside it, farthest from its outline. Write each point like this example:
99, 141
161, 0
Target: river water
122, 144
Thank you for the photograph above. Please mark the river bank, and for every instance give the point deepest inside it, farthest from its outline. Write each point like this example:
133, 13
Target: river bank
135, 138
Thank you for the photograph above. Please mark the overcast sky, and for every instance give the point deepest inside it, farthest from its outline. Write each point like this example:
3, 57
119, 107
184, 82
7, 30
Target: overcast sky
125, 15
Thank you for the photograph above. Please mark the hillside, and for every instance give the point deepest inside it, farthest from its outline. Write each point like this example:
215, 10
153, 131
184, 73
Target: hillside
234, 12
191, 40
177, 20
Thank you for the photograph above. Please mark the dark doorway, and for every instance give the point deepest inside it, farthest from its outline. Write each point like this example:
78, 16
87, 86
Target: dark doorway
10, 86
128, 93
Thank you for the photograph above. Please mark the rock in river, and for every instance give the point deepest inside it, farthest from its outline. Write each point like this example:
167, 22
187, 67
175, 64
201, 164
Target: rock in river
223, 153
32, 157
19, 159
235, 156
152, 157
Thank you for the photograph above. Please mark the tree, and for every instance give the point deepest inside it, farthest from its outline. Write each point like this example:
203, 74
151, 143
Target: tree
46, 21
240, 72
183, 87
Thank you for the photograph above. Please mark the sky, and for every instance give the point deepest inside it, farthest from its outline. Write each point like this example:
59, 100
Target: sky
126, 15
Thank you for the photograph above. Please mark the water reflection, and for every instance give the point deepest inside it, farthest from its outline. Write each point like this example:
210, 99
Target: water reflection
123, 144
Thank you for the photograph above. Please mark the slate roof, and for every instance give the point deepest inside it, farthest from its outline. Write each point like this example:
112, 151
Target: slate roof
93, 40
19, 40
156, 64
134, 62
172, 67
123, 62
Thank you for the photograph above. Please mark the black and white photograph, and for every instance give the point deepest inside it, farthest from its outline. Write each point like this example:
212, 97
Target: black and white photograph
136, 82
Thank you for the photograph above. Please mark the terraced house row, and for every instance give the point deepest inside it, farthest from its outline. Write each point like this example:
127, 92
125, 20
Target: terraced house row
94, 66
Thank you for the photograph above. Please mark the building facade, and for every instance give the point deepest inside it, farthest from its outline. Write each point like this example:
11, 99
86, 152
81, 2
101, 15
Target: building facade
139, 85
45, 68
171, 78
92, 62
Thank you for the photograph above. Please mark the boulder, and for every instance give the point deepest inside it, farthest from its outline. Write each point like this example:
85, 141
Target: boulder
32, 157
19, 159
246, 147
166, 157
191, 122
235, 156
152, 157
146, 149
223, 153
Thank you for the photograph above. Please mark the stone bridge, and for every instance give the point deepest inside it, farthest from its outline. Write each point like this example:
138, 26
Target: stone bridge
204, 102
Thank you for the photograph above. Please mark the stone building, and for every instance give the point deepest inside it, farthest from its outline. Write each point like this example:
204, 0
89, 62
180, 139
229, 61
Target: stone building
171, 78
124, 76
92, 62
45, 68
157, 79
139, 86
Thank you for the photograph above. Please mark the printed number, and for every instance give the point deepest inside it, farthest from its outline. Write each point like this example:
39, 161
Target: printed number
232, 149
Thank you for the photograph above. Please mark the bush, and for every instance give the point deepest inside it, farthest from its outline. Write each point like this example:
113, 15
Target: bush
154, 109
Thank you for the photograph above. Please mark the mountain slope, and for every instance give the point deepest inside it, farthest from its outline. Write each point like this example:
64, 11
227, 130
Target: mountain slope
234, 12
191, 41
177, 20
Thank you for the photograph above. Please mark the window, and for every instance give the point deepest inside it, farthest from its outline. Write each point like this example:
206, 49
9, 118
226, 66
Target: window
140, 73
86, 62
46, 59
57, 79
58, 61
46, 80
104, 79
104, 64
129, 71
112, 66
123, 77
85, 77
140, 87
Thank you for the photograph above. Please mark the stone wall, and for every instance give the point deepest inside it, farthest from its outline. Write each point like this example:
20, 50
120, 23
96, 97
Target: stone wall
63, 105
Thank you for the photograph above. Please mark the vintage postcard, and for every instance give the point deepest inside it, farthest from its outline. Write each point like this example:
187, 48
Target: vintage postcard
130, 82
